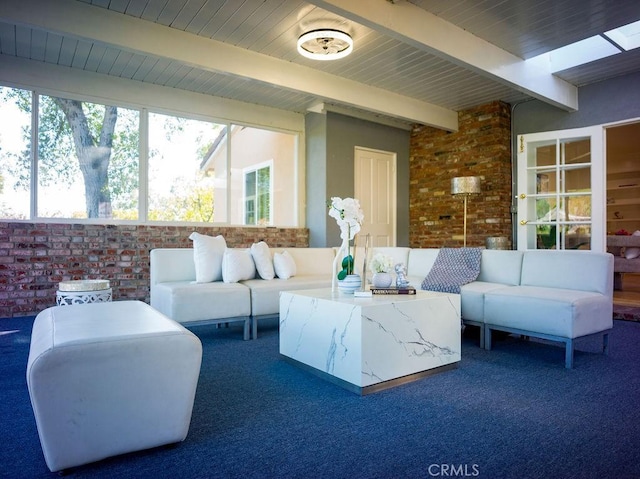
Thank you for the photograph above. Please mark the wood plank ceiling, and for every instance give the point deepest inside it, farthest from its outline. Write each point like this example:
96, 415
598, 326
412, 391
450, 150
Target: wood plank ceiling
415, 61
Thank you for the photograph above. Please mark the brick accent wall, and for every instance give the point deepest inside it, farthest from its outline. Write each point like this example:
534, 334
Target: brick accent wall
35, 257
481, 147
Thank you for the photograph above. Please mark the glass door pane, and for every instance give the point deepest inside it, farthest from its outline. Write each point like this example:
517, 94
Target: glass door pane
556, 178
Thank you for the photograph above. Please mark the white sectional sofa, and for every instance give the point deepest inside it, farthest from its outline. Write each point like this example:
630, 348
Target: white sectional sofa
175, 293
549, 294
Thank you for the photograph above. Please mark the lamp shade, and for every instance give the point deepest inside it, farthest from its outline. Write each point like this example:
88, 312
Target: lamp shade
465, 185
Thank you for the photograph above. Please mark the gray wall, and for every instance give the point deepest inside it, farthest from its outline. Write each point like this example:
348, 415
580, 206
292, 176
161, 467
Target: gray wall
330, 172
316, 178
604, 102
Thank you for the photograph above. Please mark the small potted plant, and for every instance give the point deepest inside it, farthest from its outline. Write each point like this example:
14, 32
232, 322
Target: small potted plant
381, 266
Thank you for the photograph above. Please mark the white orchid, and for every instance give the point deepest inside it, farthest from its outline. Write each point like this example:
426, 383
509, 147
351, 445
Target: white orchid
348, 215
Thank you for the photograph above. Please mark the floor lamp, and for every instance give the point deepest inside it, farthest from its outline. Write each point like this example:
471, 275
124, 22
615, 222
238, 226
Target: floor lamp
465, 186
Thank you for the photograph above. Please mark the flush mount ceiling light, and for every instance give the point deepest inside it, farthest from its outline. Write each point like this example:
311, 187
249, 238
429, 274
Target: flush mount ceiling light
325, 44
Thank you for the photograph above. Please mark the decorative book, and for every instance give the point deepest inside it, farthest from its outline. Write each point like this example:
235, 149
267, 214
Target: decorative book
394, 290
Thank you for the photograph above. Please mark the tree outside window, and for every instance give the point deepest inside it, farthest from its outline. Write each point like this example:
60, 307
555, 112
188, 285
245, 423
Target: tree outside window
87, 161
182, 185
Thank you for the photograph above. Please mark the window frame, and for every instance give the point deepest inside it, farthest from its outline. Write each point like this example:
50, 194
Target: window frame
255, 169
144, 110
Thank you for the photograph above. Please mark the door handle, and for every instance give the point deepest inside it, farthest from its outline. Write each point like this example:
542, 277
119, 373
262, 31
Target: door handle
523, 222
522, 196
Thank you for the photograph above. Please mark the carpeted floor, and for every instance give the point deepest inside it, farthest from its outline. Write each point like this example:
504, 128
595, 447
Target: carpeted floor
513, 412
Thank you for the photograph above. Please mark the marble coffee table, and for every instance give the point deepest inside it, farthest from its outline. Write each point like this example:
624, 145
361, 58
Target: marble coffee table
373, 343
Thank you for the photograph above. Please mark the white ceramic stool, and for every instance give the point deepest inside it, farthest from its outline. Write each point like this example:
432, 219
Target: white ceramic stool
83, 291
109, 378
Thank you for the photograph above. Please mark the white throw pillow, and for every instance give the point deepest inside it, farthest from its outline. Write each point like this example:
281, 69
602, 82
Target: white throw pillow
631, 253
284, 265
262, 258
237, 265
207, 256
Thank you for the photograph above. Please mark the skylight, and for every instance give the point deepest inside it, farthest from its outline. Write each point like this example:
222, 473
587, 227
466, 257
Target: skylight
626, 37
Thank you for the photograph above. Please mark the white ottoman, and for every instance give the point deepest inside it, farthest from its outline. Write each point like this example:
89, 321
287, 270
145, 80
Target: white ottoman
109, 378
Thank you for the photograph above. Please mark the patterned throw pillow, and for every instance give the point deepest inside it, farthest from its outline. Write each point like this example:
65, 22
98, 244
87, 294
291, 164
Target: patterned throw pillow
453, 268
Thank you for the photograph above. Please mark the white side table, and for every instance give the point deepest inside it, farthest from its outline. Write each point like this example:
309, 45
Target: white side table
83, 291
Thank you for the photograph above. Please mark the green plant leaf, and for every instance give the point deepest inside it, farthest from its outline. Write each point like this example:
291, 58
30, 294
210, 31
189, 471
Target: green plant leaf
342, 274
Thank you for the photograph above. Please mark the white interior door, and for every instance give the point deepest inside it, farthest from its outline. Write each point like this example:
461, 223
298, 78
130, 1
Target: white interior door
561, 190
375, 188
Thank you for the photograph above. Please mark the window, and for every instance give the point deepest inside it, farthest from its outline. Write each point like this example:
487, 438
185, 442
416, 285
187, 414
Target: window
257, 196
15, 153
91, 161
87, 160
185, 159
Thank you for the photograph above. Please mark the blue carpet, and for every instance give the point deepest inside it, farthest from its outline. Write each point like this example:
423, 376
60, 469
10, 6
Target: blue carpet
513, 412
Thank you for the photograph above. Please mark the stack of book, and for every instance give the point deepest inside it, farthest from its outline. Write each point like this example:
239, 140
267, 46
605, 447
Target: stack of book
393, 290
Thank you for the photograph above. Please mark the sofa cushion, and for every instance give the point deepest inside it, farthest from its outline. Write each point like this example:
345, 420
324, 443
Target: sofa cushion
171, 264
185, 301
262, 258
564, 269
265, 295
472, 299
501, 266
207, 256
237, 264
311, 260
421, 260
560, 312
284, 265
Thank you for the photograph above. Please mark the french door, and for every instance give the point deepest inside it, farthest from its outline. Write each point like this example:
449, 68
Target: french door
561, 190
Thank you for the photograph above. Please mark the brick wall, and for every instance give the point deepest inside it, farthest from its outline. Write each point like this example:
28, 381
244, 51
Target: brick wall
481, 147
35, 257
